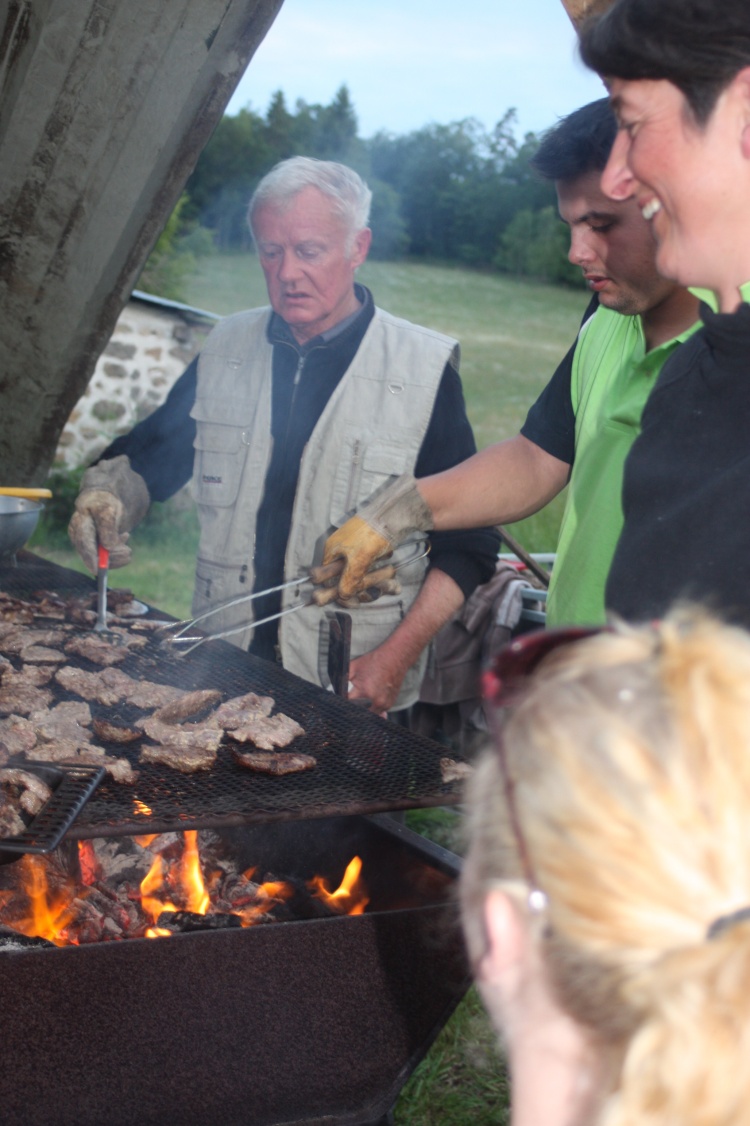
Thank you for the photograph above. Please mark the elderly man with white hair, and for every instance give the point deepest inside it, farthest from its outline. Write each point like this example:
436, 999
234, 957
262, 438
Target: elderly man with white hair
291, 417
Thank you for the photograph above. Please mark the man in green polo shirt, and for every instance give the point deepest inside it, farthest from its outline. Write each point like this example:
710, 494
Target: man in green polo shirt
582, 426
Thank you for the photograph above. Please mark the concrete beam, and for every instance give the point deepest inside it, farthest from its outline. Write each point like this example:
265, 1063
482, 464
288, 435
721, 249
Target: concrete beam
105, 107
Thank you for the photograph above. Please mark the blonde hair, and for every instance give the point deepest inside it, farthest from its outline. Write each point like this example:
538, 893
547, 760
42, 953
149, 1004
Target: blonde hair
630, 755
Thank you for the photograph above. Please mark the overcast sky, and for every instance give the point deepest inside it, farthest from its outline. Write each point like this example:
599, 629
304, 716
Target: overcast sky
411, 62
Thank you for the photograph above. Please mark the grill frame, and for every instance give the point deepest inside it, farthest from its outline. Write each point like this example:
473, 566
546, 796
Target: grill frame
312, 1022
365, 764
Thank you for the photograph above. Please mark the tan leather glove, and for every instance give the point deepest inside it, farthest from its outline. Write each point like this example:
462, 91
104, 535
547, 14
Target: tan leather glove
112, 500
379, 526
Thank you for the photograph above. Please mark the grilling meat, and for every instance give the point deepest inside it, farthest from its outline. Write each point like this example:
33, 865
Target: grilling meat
14, 639
241, 710
112, 733
27, 788
146, 694
17, 735
274, 762
11, 822
41, 655
202, 735
186, 758
65, 721
96, 649
187, 706
107, 687
19, 696
267, 732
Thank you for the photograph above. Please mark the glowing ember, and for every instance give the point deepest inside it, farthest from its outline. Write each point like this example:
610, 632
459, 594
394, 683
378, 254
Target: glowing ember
90, 868
141, 808
38, 898
350, 897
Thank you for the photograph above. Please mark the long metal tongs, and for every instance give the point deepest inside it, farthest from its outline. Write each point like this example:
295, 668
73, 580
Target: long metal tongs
379, 580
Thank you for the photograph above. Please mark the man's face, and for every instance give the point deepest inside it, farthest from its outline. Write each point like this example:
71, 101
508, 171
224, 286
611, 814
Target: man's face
612, 243
309, 271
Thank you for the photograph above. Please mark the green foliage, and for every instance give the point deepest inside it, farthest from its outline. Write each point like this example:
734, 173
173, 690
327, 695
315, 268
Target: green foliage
446, 192
535, 245
172, 260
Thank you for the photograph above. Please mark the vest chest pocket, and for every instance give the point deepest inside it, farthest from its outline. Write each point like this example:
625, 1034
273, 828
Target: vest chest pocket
363, 469
221, 448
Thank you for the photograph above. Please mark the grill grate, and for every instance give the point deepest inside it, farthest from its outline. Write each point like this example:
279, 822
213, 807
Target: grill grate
71, 788
365, 764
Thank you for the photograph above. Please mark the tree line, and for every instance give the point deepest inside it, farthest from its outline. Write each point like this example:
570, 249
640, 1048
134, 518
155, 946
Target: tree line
453, 192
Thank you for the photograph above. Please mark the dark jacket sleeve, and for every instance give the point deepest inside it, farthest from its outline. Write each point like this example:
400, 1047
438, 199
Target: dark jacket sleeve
551, 423
468, 556
161, 447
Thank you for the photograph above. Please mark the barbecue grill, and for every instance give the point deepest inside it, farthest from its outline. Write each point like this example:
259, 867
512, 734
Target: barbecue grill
311, 1021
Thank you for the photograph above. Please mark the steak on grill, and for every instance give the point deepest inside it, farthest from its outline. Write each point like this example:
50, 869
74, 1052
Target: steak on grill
186, 758
268, 732
274, 762
188, 705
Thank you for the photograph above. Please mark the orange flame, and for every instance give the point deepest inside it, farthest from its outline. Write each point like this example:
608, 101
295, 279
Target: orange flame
141, 808
197, 898
152, 882
47, 918
350, 897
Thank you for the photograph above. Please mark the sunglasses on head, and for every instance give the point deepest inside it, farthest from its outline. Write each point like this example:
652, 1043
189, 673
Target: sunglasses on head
502, 685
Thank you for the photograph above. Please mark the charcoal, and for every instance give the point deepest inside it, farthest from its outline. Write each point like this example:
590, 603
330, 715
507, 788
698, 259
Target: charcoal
11, 940
184, 922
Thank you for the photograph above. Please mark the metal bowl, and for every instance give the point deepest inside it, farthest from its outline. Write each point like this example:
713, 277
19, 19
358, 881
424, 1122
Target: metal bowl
18, 519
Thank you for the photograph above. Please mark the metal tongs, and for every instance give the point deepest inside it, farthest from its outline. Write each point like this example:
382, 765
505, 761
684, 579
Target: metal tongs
380, 579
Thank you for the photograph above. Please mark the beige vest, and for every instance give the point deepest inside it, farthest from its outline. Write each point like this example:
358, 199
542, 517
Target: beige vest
370, 431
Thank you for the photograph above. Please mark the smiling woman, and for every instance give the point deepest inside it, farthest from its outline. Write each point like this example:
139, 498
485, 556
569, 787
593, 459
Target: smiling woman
679, 78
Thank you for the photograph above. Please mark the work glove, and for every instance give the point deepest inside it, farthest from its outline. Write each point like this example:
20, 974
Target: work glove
379, 526
112, 500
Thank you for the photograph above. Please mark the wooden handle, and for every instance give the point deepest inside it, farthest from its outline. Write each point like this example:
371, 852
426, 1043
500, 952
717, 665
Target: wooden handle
28, 494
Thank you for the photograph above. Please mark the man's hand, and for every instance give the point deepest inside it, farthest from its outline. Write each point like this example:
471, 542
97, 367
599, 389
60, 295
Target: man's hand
113, 498
374, 678
380, 525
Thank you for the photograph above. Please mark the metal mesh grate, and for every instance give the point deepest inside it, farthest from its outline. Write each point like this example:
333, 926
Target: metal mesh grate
71, 788
364, 764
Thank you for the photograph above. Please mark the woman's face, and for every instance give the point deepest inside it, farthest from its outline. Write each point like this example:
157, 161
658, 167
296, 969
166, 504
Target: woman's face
690, 181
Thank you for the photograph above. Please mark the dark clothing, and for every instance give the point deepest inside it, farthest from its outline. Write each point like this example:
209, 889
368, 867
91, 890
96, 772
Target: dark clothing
687, 479
304, 376
551, 421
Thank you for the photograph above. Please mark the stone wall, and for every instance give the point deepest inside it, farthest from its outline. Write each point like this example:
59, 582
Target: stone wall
151, 346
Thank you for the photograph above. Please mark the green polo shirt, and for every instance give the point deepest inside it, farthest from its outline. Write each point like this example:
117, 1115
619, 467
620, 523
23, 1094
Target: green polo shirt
611, 379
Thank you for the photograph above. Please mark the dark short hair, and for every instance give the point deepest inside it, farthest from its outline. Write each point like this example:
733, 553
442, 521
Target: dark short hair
579, 143
697, 45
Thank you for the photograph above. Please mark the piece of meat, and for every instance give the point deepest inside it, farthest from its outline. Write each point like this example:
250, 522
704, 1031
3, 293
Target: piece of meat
39, 675
111, 733
11, 822
205, 736
92, 685
243, 709
27, 788
18, 639
453, 771
188, 705
267, 732
147, 694
41, 655
17, 735
96, 649
68, 751
187, 759
19, 697
274, 762
67, 721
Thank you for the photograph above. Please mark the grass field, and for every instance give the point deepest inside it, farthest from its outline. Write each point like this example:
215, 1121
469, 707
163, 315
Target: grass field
512, 336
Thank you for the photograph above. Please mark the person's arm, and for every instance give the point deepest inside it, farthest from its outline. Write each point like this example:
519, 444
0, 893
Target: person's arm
501, 484
377, 676
505, 482
149, 463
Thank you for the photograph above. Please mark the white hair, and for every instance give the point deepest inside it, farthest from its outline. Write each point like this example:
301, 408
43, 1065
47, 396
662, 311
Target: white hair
349, 193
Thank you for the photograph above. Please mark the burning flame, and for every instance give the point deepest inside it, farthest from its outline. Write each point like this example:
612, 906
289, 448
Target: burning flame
48, 916
141, 808
350, 897
45, 905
